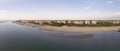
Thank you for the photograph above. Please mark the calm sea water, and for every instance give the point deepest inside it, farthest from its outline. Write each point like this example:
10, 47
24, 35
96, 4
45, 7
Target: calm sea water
14, 37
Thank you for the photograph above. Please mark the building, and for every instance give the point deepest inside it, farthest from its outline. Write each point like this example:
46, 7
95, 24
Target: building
94, 22
88, 22
116, 22
72, 21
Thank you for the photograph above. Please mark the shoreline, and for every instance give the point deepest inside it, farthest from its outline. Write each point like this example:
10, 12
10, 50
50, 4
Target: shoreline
73, 28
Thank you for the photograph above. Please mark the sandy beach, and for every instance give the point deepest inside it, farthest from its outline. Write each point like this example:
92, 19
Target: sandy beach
73, 28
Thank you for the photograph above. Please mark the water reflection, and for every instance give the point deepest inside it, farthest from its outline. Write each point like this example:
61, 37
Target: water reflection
82, 36
3, 21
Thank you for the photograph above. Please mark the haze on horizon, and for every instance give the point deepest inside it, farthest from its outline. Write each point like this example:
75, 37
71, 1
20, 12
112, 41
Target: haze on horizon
60, 9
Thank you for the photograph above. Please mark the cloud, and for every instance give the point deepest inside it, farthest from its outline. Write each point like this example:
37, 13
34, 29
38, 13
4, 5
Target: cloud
115, 14
90, 5
110, 2
12, 15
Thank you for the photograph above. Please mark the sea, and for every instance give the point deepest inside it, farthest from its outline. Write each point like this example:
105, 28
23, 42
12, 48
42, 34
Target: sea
14, 37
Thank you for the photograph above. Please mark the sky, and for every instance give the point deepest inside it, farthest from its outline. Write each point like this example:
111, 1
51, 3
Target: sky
59, 9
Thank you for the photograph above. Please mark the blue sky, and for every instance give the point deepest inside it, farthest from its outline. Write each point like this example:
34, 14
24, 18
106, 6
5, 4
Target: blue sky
59, 9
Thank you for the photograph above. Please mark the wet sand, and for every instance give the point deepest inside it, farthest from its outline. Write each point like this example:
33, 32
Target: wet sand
82, 36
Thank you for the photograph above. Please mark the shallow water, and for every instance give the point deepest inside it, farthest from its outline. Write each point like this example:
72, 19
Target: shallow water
14, 37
